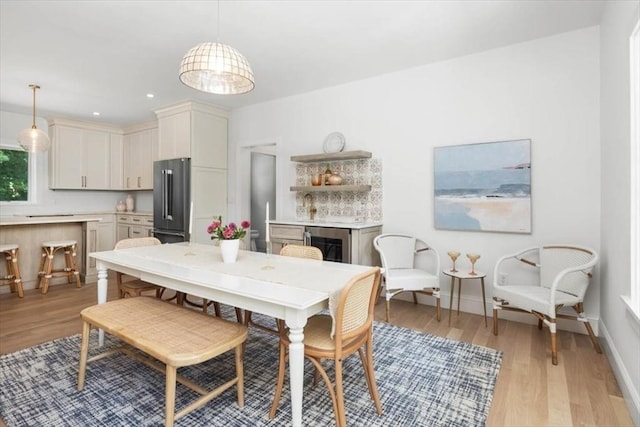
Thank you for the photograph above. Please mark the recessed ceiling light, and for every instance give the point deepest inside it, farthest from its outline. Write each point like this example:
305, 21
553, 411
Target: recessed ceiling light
96, 113
150, 95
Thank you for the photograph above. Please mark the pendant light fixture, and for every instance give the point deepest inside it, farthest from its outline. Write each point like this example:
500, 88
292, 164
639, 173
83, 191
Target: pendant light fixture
33, 139
216, 68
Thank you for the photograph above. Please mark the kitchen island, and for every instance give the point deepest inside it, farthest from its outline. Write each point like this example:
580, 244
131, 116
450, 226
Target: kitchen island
29, 231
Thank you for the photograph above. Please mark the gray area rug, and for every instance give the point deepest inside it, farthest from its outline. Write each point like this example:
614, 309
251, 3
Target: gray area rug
423, 380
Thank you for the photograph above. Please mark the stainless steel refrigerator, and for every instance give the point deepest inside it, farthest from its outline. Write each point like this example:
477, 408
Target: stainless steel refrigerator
171, 200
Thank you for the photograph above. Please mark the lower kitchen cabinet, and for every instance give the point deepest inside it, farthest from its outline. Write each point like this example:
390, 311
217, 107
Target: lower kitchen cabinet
362, 250
106, 233
360, 244
131, 225
282, 235
98, 236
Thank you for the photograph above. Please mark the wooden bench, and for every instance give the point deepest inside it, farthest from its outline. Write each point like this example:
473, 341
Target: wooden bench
174, 335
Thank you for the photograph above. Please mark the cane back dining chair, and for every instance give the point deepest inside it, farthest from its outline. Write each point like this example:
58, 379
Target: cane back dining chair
353, 332
406, 270
135, 287
298, 251
558, 276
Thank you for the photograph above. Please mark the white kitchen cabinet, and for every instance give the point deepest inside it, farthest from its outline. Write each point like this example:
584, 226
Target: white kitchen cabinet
195, 130
198, 131
362, 250
98, 236
174, 135
81, 155
116, 165
106, 233
281, 235
131, 225
139, 152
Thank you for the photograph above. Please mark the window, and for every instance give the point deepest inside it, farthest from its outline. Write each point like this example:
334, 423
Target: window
633, 301
14, 175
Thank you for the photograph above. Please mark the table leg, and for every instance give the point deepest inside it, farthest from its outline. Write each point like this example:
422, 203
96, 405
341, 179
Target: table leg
453, 288
459, 292
102, 296
296, 373
484, 302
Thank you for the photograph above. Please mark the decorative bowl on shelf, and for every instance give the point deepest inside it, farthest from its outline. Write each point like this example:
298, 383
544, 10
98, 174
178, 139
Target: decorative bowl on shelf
335, 179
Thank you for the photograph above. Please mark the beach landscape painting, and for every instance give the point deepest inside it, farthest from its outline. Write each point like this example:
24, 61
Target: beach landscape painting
483, 187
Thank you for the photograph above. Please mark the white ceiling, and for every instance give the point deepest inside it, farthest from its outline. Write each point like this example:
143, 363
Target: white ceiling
107, 55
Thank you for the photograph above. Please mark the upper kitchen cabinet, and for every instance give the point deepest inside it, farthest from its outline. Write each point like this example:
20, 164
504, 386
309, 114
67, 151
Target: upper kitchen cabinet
140, 151
84, 155
191, 129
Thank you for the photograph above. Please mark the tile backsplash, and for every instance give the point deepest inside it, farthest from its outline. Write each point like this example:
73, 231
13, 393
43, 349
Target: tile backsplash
343, 205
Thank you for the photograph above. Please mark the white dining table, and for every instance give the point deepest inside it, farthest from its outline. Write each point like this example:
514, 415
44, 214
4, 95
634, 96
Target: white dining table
288, 288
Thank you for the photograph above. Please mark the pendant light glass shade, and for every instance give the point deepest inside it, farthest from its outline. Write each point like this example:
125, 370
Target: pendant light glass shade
33, 139
216, 68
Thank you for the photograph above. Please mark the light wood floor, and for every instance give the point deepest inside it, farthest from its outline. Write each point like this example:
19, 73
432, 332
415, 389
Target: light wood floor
530, 391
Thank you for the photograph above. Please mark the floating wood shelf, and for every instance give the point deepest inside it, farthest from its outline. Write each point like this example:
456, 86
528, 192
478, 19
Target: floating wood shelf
316, 188
327, 157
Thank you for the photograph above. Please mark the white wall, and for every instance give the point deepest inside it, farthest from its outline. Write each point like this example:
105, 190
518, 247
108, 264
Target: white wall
545, 90
59, 201
621, 330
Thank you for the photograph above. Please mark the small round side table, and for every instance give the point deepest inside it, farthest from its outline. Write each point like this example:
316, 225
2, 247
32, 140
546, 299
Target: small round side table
461, 275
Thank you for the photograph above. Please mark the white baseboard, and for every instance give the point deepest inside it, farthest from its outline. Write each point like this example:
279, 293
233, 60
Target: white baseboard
621, 373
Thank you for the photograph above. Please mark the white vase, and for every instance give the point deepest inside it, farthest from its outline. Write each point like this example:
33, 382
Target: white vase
229, 250
129, 203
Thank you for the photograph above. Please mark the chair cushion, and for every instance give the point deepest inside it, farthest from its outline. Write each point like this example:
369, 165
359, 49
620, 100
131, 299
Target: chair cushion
410, 279
534, 298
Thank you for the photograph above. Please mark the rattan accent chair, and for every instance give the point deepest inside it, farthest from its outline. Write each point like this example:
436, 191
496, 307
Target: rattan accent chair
541, 281
134, 287
353, 332
405, 271
298, 251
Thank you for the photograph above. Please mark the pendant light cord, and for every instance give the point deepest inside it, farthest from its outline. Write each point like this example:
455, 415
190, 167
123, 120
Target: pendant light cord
218, 24
34, 87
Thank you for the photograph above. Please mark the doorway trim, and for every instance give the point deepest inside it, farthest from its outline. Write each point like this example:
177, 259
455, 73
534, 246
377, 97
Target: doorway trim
243, 168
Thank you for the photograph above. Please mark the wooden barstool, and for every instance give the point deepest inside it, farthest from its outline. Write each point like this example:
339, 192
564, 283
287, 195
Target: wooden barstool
47, 271
13, 277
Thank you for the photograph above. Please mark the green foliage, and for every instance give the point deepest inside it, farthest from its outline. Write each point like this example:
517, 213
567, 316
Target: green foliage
14, 175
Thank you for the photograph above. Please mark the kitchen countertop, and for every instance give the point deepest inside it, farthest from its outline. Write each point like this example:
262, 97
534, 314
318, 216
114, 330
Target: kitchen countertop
326, 223
135, 213
59, 218
47, 219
